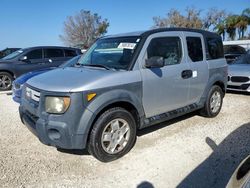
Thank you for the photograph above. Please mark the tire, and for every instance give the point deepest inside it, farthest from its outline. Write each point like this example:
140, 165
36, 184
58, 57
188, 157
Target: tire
6, 80
211, 109
105, 135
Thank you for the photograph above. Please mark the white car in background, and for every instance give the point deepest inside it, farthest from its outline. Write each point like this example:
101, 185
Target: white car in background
239, 74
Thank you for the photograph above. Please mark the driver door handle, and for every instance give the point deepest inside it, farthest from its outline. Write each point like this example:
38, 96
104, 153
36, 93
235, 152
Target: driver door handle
187, 74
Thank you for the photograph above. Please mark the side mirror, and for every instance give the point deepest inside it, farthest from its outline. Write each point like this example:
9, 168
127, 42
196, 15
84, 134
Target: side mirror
24, 58
154, 62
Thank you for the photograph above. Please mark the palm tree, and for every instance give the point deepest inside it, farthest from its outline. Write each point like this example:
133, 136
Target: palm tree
221, 29
231, 22
246, 13
241, 25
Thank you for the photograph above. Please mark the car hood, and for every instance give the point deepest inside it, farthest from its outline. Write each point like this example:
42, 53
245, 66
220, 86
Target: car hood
22, 79
239, 70
72, 79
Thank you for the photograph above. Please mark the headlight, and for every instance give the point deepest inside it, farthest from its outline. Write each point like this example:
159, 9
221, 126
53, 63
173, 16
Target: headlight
57, 105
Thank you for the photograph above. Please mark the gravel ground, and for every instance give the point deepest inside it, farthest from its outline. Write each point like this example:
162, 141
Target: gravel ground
190, 151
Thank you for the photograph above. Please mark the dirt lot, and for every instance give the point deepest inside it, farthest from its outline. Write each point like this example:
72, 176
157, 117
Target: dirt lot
187, 152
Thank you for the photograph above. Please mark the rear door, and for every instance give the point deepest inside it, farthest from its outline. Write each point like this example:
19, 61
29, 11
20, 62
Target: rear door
196, 58
164, 89
54, 57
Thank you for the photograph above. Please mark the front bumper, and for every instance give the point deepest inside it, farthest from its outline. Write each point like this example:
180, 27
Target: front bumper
243, 87
238, 83
61, 131
16, 93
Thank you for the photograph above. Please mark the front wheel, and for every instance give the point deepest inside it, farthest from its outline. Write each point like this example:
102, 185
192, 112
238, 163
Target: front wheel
213, 103
6, 80
113, 135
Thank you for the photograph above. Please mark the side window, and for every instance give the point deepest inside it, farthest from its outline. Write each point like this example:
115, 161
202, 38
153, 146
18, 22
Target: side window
50, 53
194, 46
215, 48
167, 47
35, 54
70, 53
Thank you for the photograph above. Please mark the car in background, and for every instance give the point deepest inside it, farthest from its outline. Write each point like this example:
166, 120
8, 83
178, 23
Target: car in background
30, 59
232, 52
18, 83
7, 51
241, 176
239, 74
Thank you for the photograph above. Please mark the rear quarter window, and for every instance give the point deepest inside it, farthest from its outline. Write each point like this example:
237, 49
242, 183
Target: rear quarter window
215, 48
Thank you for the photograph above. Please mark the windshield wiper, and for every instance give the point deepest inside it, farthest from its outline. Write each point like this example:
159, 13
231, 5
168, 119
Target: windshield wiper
94, 65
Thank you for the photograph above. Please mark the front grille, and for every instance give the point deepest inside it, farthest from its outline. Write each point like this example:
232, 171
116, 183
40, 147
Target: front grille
239, 79
32, 94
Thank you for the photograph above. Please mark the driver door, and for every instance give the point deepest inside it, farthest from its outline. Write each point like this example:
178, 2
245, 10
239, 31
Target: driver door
166, 88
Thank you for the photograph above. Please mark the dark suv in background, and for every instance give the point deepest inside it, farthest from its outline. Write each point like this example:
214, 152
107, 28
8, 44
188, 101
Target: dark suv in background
232, 52
30, 59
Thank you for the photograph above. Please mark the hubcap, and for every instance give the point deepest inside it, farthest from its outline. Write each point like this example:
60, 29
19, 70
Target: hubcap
215, 102
115, 136
5, 82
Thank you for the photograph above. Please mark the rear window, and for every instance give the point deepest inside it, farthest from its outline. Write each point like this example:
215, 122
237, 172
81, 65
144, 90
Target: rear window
70, 53
195, 48
50, 53
35, 54
215, 48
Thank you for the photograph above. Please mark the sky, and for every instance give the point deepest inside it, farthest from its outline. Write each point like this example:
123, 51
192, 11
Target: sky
25, 23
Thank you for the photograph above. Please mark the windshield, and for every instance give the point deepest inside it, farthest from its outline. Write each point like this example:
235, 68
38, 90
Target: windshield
113, 53
244, 59
13, 55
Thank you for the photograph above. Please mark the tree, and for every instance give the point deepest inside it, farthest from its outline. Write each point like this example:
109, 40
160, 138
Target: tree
231, 22
83, 29
241, 25
221, 29
213, 18
176, 19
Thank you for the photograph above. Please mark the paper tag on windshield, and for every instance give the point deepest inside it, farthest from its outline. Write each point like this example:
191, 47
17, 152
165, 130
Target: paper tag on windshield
126, 45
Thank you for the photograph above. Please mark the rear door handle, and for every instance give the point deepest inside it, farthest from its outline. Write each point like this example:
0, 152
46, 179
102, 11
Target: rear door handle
187, 74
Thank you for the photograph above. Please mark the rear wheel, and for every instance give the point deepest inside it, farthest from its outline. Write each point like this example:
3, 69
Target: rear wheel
6, 80
113, 135
213, 103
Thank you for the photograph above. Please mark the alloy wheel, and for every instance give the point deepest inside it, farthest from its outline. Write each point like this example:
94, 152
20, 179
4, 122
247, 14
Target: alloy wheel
115, 136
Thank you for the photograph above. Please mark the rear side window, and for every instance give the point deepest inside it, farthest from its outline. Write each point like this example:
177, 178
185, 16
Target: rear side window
167, 47
70, 53
194, 48
215, 48
35, 54
50, 53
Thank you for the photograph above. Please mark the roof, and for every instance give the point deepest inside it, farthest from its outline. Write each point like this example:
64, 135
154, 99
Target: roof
152, 31
39, 47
